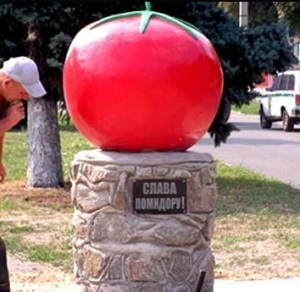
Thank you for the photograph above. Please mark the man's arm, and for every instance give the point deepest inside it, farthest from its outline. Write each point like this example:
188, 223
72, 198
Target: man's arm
2, 167
14, 114
1, 147
5, 125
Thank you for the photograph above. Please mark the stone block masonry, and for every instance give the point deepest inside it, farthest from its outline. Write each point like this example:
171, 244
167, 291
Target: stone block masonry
143, 221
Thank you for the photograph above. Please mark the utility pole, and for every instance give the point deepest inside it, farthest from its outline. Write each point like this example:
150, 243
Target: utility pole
243, 14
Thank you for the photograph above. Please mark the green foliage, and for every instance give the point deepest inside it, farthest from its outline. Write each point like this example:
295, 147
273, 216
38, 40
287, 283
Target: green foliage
11, 34
268, 50
244, 54
263, 49
259, 13
288, 12
53, 23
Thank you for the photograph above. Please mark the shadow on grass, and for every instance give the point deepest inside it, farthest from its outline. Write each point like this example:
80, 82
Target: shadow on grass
68, 128
65, 127
255, 195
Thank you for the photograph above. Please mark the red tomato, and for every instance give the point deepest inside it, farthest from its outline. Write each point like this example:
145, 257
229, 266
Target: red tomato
153, 91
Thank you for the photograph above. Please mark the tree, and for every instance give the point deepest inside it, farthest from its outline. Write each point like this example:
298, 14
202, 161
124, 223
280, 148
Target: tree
232, 8
259, 13
262, 13
45, 29
44, 152
288, 13
244, 54
44, 160
31, 31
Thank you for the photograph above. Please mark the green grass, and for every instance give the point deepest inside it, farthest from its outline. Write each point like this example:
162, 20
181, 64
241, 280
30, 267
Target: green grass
60, 255
245, 192
15, 151
15, 154
48, 254
251, 211
249, 109
8, 204
20, 229
22, 237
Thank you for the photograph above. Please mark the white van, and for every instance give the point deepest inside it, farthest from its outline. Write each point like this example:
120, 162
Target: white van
281, 102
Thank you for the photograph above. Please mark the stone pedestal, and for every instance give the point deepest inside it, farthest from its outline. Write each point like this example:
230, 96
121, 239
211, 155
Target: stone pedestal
157, 241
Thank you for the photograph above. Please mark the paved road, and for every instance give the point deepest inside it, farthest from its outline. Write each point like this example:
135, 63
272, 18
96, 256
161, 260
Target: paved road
272, 152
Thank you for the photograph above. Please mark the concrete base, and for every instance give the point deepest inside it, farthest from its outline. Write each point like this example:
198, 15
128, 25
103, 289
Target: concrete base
144, 221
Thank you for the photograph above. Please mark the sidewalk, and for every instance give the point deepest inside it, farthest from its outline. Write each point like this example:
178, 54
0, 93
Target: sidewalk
274, 285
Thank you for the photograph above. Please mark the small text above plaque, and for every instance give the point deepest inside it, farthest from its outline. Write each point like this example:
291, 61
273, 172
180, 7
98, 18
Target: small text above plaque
159, 196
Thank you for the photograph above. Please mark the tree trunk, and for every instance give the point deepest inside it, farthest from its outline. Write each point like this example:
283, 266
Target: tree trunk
44, 153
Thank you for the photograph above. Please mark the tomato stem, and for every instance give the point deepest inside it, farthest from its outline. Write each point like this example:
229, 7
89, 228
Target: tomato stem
148, 6
145, 19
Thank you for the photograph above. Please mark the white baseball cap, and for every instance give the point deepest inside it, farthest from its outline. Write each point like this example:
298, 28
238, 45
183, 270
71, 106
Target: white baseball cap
25, 71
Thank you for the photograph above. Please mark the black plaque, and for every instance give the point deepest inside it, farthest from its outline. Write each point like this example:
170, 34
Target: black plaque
159, 196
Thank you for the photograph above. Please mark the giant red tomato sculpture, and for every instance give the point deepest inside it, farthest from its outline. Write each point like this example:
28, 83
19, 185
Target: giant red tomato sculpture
142, 81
